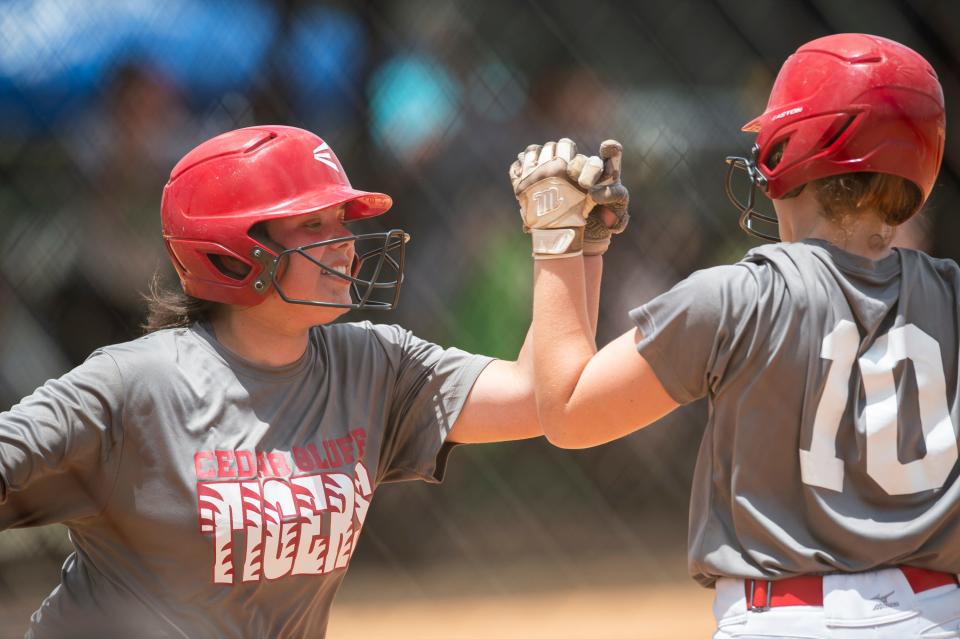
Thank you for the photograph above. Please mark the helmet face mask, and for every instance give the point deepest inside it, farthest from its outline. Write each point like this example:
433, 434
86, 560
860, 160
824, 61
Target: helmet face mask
376, 273
749, 215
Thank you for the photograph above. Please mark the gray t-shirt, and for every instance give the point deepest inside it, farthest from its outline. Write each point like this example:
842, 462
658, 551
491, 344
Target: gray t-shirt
831, 441
208, 497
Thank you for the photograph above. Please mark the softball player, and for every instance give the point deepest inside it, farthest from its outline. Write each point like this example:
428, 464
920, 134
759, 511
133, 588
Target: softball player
215, 474
825, 498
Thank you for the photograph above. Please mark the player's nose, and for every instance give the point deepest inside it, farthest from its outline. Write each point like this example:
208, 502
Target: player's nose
345, 245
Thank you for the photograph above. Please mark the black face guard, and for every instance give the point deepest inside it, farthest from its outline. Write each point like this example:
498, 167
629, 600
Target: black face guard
385, 259
748, 216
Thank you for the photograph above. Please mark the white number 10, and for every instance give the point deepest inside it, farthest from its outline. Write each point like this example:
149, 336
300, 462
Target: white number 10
820, 465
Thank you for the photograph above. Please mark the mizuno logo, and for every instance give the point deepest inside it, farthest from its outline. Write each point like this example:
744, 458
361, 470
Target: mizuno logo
323, 154
883, 601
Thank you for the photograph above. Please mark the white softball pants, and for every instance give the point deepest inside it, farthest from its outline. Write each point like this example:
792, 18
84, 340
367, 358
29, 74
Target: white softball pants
872, 605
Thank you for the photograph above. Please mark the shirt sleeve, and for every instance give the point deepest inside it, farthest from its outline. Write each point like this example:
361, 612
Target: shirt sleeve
691, 332
432, 384
59, 447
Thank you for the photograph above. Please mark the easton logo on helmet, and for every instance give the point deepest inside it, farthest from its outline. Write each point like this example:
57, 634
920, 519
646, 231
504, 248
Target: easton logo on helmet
793, 111
322, 154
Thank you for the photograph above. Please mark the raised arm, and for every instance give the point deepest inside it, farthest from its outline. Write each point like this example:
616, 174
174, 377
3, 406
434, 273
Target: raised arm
502, 404
585, 397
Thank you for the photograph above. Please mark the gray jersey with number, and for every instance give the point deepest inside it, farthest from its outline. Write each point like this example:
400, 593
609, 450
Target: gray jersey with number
208, 497
831, 442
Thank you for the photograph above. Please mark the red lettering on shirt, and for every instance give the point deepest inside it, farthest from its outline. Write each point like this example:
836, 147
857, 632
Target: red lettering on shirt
246, 466
333, 455
204, 469
278, 464
297, 520
263, 468
321, 463
301, 457
304, 525
225, 467
360, 437
345, 444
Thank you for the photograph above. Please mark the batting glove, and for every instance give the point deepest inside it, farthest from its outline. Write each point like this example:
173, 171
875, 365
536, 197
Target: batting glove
610, 216
552, 210
551, 183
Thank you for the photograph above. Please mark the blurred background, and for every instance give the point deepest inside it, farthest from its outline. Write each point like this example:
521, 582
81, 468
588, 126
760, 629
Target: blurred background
430, 102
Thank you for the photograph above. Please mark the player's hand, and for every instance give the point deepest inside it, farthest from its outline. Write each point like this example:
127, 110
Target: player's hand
551, 183
610, 215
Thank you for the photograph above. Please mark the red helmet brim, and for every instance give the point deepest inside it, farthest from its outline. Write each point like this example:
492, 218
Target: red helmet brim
359, 204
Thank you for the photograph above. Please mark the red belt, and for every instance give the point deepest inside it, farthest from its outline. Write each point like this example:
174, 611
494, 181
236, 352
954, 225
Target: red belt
807, 590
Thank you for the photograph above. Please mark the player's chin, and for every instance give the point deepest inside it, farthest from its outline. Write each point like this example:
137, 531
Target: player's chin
313, 314
317, 315
336, 294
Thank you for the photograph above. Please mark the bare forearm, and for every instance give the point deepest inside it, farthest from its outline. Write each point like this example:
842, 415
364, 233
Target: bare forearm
520, 419
563, 339
578, 218
501, 406
592, 274
523, 369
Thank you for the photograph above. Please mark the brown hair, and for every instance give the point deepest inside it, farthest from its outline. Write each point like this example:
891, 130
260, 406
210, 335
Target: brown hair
894, 198
169, 307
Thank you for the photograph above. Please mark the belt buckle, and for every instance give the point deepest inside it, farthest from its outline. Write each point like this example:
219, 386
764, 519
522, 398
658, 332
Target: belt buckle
750, 606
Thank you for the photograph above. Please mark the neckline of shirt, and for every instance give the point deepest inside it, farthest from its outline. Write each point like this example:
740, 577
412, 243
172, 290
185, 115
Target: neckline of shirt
846, 261
235, 362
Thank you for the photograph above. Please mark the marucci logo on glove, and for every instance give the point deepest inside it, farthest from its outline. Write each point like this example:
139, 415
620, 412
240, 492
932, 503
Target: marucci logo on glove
547, 200
297, 521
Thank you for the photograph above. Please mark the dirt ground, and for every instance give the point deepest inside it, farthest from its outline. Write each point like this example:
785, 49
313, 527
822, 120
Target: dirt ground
668, 611
610, 599
604, 598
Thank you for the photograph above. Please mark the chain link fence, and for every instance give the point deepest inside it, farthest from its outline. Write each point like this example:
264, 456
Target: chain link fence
429, 102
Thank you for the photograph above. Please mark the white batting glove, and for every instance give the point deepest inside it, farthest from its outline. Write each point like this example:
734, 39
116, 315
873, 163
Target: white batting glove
551, 183
610, 216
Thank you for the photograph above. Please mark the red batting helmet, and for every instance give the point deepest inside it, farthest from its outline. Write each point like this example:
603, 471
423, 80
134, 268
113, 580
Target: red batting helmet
845, 103
228, 184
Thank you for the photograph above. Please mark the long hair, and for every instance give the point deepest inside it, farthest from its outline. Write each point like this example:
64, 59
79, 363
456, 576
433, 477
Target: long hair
169, 307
